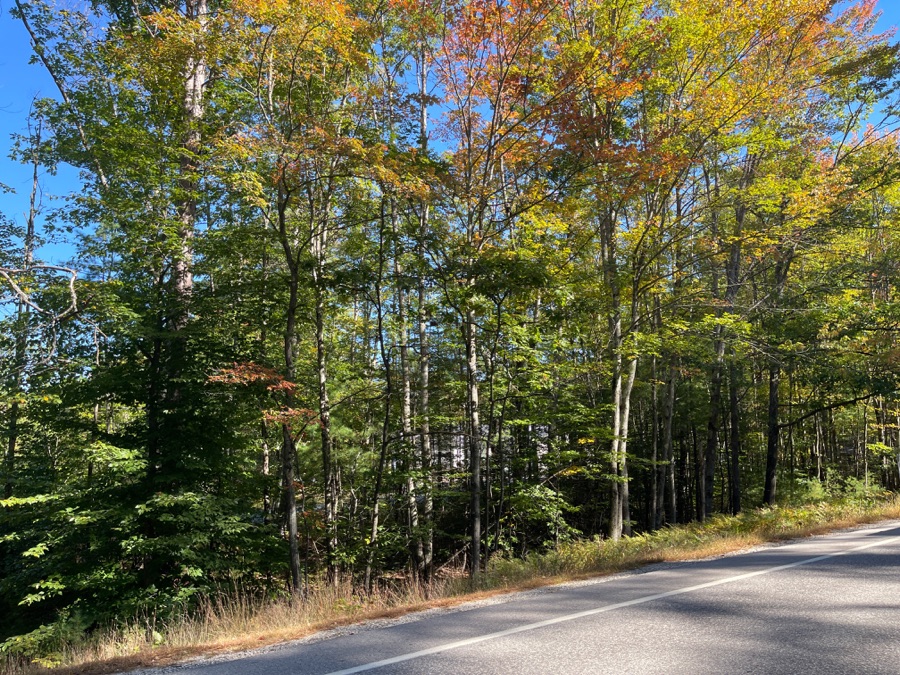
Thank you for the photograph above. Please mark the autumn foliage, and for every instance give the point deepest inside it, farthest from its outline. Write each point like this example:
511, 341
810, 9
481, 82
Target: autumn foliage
380, 289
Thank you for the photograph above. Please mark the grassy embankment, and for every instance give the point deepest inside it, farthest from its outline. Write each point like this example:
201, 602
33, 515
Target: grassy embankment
241, 623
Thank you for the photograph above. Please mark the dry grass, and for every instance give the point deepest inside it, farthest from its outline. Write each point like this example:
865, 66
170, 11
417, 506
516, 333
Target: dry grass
239, 623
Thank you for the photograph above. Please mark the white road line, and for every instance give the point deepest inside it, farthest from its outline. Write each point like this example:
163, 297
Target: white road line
600, 610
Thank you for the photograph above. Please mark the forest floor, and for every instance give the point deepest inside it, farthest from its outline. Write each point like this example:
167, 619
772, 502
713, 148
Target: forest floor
223, 626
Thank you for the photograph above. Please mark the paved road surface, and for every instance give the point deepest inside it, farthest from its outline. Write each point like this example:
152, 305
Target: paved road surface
824, 605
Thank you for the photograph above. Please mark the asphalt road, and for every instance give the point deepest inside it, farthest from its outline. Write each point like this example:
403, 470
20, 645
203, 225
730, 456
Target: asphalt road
823, 605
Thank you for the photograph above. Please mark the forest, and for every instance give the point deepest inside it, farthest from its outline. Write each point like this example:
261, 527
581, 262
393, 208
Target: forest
371, 289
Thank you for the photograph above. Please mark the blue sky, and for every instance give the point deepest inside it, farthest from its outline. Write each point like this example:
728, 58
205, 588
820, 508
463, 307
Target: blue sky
21, 82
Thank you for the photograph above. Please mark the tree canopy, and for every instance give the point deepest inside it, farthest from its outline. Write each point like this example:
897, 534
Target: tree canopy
364, 287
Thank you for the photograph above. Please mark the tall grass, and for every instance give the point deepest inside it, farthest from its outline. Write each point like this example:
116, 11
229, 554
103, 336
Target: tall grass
717, 535
235, 621
222, 623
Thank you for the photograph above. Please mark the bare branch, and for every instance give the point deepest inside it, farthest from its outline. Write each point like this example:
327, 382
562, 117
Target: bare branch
40, 50
9, 274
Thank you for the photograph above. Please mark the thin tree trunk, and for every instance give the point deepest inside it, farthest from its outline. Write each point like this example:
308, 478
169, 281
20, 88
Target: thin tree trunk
898, 451
288, 450
623, 447
425, 427
784, 257
20, 356
657, 483
865, 443
288, 453
474, 444
735, 418
614, 530
820, 449
388, 398
712, 430
42, 52
328, 469
266, 469
772, 437
616, 342
698, 474
416, 546
425, 456
668, 447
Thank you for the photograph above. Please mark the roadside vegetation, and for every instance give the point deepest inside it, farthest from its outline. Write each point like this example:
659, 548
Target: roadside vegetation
236, 621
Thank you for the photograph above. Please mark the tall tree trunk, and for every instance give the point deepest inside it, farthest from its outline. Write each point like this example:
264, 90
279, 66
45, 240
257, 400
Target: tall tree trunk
475, 444
166, 401
732, 280
388, 399
288, 450
616, 343
195, 83
414, 539
656, 483
329, 473
623, 447
784, 256
425, 455
614, 530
